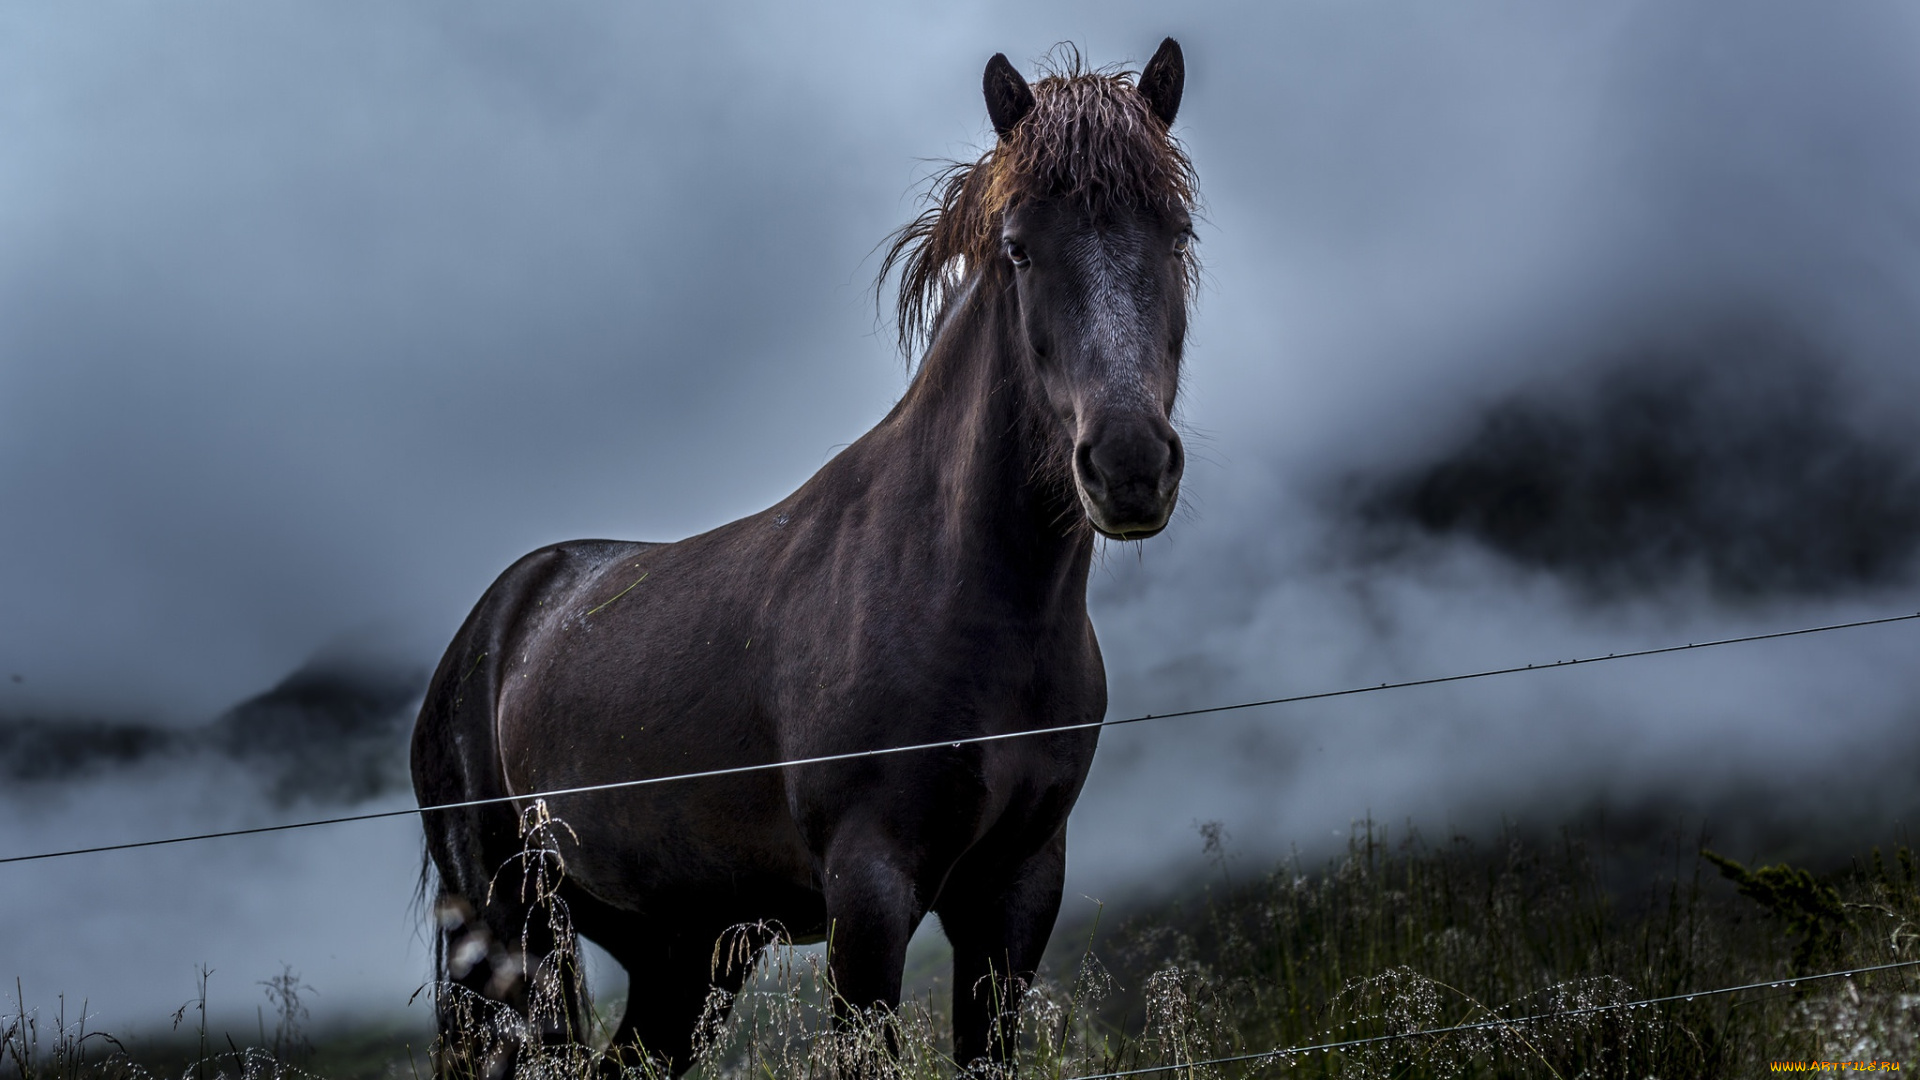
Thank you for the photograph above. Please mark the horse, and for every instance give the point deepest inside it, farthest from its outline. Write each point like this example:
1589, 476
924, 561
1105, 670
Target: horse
928, 584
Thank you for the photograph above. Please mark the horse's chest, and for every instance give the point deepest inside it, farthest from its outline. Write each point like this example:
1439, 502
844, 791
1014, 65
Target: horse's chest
965, 748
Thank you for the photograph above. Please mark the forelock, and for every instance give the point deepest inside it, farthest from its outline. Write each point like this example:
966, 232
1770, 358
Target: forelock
1090, 138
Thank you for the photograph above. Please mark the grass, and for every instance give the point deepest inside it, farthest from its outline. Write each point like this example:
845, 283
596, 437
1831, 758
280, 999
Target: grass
1400, 936
1538, 940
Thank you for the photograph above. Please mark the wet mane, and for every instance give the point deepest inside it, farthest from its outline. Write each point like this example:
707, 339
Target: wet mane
1091, 137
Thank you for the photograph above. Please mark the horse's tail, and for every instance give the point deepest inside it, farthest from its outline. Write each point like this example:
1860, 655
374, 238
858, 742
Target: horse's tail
427, 897
426, 894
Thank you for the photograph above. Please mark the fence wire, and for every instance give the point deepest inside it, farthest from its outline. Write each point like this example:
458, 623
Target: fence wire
1283, 1054
972, 740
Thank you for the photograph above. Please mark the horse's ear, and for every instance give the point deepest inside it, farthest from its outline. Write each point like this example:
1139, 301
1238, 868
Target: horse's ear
1162, 81
1009, 99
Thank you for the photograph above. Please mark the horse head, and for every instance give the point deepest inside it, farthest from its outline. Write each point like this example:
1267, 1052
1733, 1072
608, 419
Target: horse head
1079, 217
1095, 236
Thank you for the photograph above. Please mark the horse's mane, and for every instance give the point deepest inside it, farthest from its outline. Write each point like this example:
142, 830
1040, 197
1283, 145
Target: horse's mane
1090, 137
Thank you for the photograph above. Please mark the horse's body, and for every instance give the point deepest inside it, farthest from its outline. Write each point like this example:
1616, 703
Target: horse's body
928, 584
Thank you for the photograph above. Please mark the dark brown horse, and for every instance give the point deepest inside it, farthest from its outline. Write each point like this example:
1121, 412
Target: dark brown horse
928, 584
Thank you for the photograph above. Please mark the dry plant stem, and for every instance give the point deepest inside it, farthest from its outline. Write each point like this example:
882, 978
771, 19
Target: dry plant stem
1495, 1016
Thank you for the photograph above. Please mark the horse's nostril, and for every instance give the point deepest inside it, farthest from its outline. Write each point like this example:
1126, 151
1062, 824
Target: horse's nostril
1086, 472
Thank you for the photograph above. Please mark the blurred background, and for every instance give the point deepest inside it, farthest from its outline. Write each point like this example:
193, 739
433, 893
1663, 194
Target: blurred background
1529, 331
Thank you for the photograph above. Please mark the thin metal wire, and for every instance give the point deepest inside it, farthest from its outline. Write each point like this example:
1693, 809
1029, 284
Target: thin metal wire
1484, 1025
967, 741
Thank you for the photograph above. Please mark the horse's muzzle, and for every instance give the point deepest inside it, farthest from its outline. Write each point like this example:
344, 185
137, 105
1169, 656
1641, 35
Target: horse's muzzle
1128, 473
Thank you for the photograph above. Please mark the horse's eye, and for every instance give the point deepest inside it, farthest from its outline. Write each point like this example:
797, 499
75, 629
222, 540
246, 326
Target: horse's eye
1182, 241
1016, 254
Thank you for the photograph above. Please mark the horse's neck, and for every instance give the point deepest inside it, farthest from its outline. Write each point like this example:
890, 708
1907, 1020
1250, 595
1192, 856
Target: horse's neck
975, 422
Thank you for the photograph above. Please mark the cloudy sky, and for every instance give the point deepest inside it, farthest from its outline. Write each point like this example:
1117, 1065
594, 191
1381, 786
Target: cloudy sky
1530, 331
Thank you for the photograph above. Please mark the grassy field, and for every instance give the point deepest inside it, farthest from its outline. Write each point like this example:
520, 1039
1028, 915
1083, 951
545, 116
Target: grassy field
1534, 943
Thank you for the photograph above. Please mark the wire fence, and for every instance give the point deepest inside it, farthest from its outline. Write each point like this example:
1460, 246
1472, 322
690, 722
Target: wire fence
1282, 1054
823, 759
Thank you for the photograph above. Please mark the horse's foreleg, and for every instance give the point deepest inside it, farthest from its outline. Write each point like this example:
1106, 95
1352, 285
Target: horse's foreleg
873, 905
998, 925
